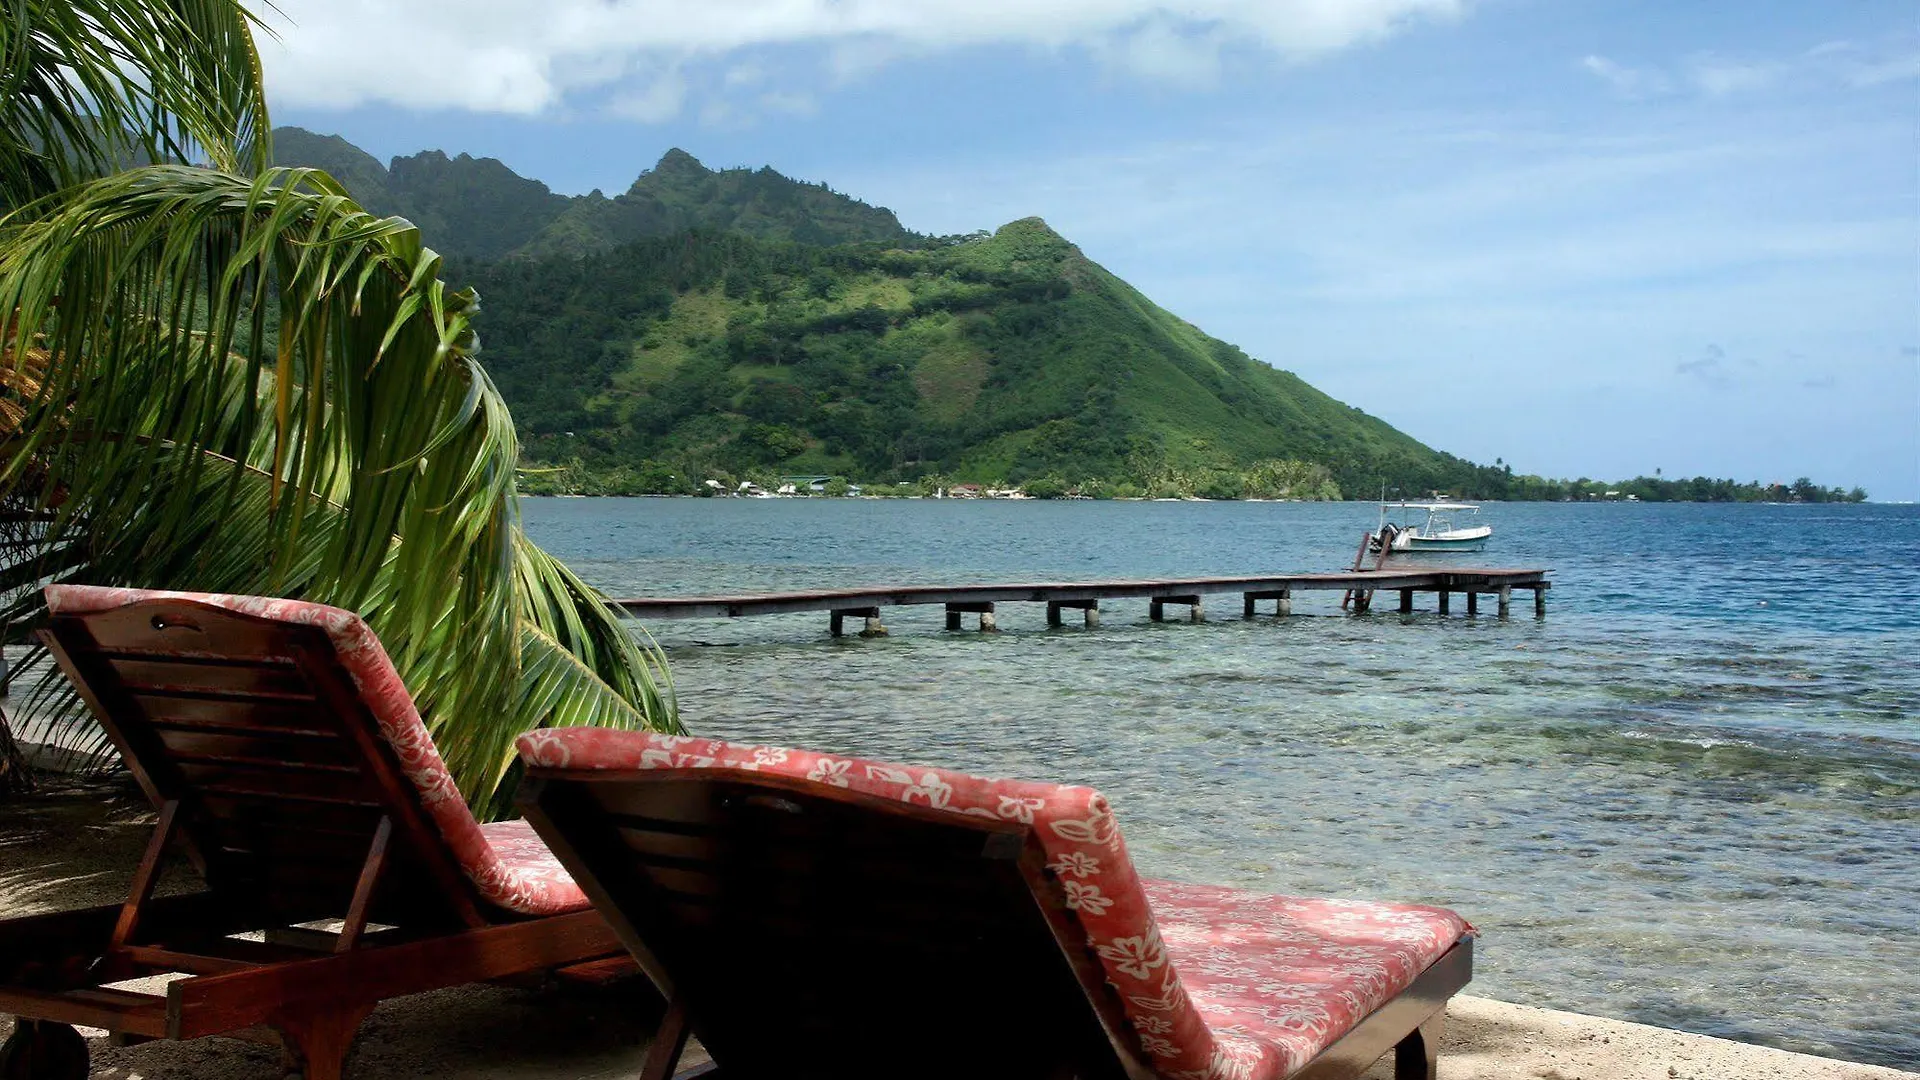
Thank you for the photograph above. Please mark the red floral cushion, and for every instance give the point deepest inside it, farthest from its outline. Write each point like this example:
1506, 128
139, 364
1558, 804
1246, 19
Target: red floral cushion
518, 881
1279, 978
528, 858
1264, 982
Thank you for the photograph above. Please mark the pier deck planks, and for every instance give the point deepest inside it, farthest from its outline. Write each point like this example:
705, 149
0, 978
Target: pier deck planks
1473, 580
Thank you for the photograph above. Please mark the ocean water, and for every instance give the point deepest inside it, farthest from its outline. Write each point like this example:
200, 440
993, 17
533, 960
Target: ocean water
1689, 796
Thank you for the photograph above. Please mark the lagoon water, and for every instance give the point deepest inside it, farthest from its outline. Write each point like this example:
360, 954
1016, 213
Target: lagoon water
1690, 796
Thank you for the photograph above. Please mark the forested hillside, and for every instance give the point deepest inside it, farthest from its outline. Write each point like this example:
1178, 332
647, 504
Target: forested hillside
1010, 357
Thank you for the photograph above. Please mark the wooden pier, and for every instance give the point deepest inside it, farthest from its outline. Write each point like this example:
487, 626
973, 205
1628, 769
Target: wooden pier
1085, 596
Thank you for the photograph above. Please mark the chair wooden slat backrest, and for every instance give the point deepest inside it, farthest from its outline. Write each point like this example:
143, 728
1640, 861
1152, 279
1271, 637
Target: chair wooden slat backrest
780, 914
258, 734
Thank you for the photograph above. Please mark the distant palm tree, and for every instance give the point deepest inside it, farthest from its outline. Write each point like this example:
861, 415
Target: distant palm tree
224, 377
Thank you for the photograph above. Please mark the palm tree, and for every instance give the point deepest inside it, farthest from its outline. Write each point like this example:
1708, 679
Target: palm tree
224, 377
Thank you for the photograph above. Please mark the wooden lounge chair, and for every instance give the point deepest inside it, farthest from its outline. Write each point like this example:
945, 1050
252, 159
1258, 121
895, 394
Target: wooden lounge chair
341, 866
810, 916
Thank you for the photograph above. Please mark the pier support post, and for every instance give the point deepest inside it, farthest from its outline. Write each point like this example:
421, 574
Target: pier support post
1157, 607
982, 608
1406, 601
1282, 602
1473, 602
1445, 601
1091, 608
837, 621
1539, 603
1506, 601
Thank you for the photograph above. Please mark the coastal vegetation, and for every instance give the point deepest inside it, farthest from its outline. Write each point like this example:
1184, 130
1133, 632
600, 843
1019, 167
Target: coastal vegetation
1314, 485
1658, 489
220, 376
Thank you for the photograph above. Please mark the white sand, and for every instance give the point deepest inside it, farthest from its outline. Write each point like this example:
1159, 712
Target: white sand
1492, 1040
486, 1033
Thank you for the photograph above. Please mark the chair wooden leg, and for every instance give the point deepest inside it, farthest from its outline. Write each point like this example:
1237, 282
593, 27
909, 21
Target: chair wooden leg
317, 1042
1417, 1057
669, 1041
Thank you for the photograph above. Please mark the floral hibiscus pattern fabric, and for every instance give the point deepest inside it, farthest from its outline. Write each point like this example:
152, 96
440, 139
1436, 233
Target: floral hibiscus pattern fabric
511, 873
1218, 984
1278, 978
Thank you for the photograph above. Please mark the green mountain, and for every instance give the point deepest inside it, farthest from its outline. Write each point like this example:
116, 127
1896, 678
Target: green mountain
1010, 357
739, 324
478, 208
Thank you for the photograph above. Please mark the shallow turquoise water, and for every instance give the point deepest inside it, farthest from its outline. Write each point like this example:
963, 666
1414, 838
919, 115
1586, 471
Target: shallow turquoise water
1690, 796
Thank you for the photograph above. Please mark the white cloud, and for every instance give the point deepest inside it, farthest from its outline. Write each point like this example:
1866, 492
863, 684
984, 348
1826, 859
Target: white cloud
1831, 65
855, 58
1719, 77
1710, 367
655, 102
1862, 71
1165, 51
790, 104
532, 56
1626, 81
747, 74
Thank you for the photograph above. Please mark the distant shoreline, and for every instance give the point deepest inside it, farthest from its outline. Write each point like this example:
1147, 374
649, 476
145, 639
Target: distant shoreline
1197, 499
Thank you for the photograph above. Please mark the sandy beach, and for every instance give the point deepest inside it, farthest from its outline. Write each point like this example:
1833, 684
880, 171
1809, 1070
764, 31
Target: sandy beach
71, 845
486, 1033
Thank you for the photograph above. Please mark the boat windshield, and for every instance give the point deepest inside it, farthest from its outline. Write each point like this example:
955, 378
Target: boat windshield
1438, 515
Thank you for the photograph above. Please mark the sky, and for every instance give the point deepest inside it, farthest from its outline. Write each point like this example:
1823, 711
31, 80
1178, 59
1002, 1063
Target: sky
1585, 237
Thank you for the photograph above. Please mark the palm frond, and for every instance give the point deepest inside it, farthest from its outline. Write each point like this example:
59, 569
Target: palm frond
89, 87
254, 386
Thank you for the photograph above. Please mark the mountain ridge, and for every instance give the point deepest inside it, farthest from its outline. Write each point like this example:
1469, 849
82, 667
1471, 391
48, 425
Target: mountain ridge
480, 208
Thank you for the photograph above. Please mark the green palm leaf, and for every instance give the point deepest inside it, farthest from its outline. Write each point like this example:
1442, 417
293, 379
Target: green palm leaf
88, 87
225, 379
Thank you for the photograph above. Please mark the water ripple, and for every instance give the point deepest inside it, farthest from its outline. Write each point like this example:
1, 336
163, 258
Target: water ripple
1689, 797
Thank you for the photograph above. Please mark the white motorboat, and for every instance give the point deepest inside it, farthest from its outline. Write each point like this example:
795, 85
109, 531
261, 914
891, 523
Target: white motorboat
1447, 526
